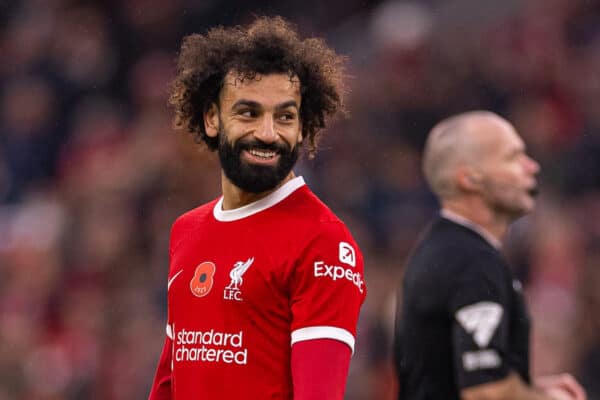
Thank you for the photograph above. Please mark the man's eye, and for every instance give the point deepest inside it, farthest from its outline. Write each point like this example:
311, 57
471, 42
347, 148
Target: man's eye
287, 117
247, 113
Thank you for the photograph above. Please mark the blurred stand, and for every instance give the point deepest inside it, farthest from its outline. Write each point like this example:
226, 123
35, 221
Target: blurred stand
92, 175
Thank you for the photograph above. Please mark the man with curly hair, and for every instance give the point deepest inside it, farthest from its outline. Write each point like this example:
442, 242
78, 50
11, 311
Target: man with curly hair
265, 283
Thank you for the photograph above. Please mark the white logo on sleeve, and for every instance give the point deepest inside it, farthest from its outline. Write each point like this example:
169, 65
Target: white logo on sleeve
347, 254
336, 272
481, 320
481, 359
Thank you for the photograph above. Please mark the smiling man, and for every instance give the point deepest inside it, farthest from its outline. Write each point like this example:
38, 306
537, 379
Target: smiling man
265, 283
262, 143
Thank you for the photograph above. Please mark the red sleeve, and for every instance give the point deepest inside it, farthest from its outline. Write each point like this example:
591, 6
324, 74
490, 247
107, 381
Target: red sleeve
327, 288
319, 369
161, 387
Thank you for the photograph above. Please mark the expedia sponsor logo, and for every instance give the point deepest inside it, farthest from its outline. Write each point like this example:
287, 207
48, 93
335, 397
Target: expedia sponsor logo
336, 272
211, 346
347, 254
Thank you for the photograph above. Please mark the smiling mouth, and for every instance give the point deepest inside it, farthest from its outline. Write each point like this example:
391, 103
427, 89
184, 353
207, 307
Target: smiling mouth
263, 154
259, 156
534, 191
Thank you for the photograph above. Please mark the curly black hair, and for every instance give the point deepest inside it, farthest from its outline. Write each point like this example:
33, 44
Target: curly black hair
268, 45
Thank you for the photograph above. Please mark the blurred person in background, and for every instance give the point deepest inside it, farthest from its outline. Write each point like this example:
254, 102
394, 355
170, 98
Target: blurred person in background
265, 283
462, 330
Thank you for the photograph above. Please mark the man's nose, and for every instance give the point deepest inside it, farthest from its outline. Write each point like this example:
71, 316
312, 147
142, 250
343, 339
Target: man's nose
532, 166
266, 131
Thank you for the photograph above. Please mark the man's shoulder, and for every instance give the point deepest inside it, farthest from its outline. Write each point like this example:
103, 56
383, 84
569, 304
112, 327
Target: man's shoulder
308, 209
450, 237
305, 216
192, 217
448, 249
189, 221
303, 210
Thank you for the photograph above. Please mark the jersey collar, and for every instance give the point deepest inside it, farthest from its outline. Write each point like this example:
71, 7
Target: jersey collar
250, 209
459, 219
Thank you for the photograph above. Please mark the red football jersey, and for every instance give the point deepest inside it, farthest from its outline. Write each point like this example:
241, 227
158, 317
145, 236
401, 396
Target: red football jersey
246, 284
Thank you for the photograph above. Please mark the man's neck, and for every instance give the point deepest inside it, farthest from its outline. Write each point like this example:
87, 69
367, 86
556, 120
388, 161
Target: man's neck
482, 217
234, 197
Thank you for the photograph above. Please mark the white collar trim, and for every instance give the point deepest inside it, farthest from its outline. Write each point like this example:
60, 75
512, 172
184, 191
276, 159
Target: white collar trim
459, 219
250, 209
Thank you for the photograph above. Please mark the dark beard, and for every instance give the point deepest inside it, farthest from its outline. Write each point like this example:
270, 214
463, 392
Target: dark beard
253, 178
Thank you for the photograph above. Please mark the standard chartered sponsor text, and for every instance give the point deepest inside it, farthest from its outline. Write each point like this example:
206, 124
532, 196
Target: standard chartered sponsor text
211, 346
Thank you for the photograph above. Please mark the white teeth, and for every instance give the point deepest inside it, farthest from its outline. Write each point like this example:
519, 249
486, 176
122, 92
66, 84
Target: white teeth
262, 153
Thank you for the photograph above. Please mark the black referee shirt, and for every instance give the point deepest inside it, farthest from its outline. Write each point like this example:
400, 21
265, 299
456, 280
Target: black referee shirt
462, 319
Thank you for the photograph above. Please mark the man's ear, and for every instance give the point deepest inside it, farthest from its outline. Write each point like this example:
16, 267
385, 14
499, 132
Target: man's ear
211, 121
468, 180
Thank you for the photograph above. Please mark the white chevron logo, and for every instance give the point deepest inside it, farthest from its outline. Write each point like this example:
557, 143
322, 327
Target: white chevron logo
480, 320
172, 279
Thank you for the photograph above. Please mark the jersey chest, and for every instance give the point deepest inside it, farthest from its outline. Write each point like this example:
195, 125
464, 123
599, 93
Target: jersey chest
226, 275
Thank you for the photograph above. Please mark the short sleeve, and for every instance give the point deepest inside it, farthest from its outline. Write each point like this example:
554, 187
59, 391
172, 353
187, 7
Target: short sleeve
480, 304
327, 287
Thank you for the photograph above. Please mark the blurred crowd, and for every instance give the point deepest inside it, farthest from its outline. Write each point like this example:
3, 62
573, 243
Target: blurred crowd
92, 174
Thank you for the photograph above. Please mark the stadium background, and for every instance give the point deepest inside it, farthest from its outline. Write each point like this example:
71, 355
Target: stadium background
92, 176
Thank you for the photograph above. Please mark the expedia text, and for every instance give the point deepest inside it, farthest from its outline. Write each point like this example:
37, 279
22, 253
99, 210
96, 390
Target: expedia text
336, 272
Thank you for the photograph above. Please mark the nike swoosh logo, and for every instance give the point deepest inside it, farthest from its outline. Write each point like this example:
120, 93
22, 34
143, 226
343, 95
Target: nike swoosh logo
172, 279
